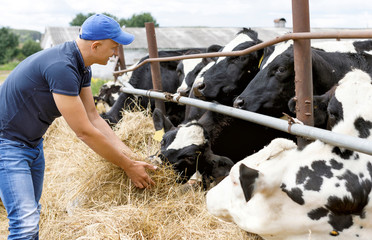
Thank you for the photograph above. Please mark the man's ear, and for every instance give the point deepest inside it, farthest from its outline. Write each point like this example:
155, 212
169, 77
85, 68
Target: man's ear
95, 45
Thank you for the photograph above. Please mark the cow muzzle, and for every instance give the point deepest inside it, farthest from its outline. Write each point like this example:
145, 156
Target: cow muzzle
198, 90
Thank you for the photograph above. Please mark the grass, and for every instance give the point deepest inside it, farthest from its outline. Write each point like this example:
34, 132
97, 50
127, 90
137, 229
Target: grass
96, 84
8, 66
5, 70
3, 75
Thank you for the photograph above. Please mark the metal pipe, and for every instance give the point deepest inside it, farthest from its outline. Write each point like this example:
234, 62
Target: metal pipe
336, 139
121, 57
302, 67
286, 37
121, 61
155, 66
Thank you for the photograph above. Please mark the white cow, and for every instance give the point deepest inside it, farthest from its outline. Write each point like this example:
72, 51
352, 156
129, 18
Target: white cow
321, 192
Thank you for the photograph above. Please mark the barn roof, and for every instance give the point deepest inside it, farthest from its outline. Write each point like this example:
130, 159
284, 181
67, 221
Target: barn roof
167, 37
171, 37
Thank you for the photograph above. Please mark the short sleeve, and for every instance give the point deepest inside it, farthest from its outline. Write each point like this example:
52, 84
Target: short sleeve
87, 78
63, 79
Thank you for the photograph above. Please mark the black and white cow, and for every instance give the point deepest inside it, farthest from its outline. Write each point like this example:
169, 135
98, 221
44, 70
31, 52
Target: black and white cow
273, 86
188, 148
196, 142
323, 116
321, 192
228, 76
107, 96
141, 79
188, 69
227, 135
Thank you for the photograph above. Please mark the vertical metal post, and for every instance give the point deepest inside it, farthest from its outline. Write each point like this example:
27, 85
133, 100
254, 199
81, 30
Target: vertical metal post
155, 66
302, 67
120, 65
121, 57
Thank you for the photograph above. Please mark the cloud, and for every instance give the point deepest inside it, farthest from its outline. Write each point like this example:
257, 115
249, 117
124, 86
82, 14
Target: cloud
38, 14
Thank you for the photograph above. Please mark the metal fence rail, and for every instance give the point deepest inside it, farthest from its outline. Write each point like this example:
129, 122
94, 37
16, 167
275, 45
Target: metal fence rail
340, 140
346, 34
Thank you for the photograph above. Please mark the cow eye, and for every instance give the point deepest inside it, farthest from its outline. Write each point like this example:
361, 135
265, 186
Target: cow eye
233, 58
281, 69
333, 117
179, 73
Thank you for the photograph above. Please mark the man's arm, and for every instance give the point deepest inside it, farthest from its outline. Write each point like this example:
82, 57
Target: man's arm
87, 99
79, 114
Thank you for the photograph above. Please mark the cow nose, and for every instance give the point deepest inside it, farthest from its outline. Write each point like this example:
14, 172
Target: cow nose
198, 88
238, 103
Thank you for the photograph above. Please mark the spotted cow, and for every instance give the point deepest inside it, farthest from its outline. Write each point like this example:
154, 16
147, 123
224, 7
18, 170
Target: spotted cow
323, 118
188, 69
273, 86
141, 79
195, 142
188, 149
320, 192
228, 76
107, 96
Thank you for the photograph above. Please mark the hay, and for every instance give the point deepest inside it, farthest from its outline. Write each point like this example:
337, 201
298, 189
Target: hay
86, 197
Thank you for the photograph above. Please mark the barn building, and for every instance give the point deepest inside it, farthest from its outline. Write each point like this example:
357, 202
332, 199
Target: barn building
168, 38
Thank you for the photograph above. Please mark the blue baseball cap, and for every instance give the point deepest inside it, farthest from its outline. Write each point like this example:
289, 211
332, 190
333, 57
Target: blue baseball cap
100, 27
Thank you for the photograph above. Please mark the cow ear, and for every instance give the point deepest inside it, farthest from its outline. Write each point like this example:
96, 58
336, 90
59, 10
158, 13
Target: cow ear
214, 48
161, 121
206, 120
205, 61
247, 177
292, 105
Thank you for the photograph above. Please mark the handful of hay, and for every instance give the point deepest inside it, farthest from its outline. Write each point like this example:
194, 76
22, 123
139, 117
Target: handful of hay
86, 197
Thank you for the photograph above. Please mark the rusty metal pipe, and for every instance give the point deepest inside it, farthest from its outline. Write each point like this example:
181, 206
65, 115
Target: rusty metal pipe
121, 57
155, 66
302, 67
289, 36
121, 61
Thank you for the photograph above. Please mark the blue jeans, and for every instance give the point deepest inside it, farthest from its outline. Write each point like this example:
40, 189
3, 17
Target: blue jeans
21, 183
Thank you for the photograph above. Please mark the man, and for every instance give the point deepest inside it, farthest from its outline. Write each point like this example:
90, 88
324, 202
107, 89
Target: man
44, 86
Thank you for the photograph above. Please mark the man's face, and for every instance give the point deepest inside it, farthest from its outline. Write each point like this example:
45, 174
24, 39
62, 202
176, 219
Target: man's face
106, 49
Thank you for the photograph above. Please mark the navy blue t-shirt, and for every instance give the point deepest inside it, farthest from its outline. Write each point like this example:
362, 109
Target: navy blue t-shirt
27, 107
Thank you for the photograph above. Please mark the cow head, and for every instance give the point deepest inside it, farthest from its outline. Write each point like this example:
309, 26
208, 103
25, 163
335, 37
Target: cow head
251, 196
188, 69
320, 192
273, 86
325, 115
187, 148
349, 106
228, 76
109, 92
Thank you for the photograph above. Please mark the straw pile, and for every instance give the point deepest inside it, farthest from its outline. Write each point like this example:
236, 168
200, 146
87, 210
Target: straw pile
86, 197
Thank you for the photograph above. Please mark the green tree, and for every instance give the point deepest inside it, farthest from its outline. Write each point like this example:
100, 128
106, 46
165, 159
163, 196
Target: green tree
112, 16
8, 45
30, 47
79, 19
138, 20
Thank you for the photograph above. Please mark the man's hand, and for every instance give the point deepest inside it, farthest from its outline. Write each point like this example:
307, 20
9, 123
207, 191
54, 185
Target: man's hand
137, 173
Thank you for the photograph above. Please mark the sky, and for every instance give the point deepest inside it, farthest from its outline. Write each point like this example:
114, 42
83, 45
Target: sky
38, 14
